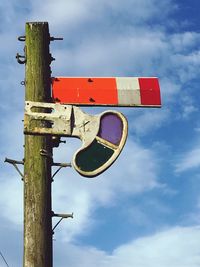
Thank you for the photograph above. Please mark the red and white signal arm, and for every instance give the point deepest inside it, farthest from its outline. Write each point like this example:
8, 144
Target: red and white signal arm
119, 91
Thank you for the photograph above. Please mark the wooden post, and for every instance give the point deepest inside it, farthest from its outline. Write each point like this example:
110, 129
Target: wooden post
38, 150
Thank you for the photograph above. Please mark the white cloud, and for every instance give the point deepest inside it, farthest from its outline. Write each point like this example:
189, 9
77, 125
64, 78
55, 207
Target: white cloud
61, 13
12, 135
148, 120
12, 198
190, 160
76, 13
186, 65
169, 89
188, 106
175, 247
134, 172
112, 55
138, 214
184, 41
188, 111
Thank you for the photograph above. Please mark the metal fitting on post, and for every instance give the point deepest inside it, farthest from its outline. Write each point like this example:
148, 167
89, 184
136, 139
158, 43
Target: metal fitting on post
56, 140
22, 38
19, 59
56, 38
63, 216
45, 153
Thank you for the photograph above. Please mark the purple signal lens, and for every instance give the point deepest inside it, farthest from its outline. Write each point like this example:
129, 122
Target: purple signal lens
111, 128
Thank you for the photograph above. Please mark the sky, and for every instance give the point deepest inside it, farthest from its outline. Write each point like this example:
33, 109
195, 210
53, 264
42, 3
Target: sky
144, 210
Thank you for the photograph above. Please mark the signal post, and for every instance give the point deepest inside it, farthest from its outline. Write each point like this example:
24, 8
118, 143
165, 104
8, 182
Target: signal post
38, 151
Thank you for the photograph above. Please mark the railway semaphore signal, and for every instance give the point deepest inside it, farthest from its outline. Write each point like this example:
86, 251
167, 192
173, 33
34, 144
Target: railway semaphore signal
52, 110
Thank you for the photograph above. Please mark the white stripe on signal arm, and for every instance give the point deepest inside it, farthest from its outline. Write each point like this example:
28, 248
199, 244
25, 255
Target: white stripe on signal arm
128, 90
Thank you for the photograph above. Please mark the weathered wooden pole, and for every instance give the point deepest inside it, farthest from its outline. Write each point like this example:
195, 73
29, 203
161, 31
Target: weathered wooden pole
38, 150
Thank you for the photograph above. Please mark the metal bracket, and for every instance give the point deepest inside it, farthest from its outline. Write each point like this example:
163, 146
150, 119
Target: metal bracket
45, 153
54, 118
14, 163
66, 120
23, 83
60, 120
22, 38
19, 59
56, 141
60, 165
63, 216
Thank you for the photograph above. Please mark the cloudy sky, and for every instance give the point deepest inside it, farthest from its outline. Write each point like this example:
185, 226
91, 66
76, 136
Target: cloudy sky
143, 211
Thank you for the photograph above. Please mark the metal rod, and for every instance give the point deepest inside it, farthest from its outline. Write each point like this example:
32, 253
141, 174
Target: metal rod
56, 38
64, 216
4, 259
12, 161
56, 172
62, 165
57, 224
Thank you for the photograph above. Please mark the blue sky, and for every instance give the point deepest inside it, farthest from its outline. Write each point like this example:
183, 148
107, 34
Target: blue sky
143, 211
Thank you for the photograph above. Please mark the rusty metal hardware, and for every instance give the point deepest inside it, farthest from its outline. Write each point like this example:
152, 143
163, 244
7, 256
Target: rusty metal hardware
59, 118
19, 59
66, 120
22, 38
45, 153
56, 141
